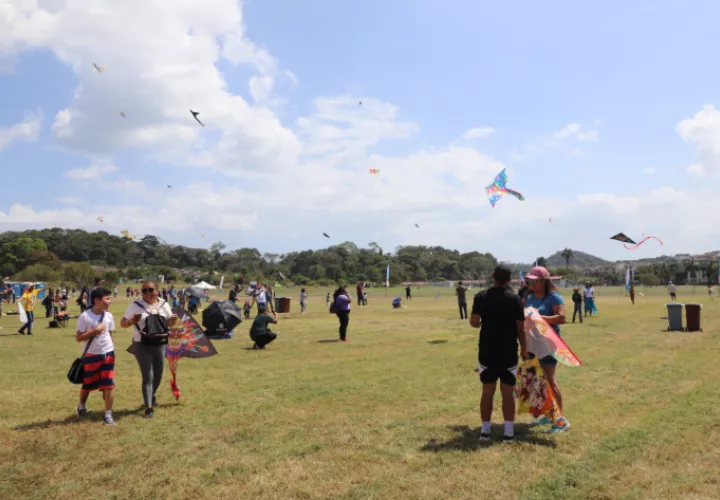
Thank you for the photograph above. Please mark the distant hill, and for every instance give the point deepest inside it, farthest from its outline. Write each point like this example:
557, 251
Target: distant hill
580, 259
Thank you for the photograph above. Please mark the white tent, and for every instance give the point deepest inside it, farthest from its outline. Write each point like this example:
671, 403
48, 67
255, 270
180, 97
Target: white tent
204, 286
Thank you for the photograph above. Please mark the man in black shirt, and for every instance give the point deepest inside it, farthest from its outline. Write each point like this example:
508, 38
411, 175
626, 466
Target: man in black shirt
462, 304
500, 312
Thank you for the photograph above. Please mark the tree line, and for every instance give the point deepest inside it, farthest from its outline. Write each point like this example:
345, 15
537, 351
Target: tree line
74, 256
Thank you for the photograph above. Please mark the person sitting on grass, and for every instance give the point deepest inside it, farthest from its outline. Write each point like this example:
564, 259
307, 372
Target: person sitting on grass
397, 302
95, 327
260, 333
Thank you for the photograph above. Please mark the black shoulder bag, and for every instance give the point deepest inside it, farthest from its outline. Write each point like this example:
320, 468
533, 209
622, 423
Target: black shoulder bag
77, 371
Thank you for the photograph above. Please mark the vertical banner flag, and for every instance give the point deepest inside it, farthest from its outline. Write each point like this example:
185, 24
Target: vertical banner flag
222, 281
522, 278
627, 278
387, 277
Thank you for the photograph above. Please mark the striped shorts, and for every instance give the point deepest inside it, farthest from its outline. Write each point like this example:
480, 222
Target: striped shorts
99, 371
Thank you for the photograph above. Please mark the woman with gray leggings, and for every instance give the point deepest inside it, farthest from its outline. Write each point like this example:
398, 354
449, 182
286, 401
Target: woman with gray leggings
150, 358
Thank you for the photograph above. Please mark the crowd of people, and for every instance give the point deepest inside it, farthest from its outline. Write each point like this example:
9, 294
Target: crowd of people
498, 312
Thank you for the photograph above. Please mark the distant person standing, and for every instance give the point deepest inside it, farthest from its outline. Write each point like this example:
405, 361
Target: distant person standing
632, 294
303, 299
672, 290
28, 302
408, 293
499, 314
359, 289
342, 311
462, 304
589, 299
577, 302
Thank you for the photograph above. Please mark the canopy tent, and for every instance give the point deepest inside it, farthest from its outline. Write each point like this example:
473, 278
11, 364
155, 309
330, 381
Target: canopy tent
204, 286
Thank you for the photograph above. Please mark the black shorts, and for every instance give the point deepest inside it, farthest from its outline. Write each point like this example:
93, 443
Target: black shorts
490, 375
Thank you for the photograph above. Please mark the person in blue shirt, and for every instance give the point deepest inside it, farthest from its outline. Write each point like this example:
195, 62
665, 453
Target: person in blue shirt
544, 297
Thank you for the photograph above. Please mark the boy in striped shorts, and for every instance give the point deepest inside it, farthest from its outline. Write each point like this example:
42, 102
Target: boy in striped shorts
96, 326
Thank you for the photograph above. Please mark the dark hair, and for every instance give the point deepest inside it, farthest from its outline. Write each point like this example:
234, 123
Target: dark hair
302, 290
502, 275
98, 281
99, 293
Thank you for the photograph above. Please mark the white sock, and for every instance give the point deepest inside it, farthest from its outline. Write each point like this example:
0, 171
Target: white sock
485, 428
509, 428
108, 413
81, 406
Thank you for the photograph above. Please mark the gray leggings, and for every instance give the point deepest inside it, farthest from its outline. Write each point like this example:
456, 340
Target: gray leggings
151, 359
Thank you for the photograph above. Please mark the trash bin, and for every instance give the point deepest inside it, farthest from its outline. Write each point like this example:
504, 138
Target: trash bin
692, 317
675, 319
282, 305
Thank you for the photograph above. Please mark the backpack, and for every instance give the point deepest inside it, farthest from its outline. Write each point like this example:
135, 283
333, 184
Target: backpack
155, 331
333, 306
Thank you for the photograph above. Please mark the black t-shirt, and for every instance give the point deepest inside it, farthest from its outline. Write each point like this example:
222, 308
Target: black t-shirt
500, 310
460, 291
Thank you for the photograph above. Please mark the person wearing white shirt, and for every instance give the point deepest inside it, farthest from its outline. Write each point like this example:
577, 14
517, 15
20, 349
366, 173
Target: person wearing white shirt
95, 327
672, 290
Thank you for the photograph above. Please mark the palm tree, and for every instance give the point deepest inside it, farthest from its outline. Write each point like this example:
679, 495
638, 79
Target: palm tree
568, 255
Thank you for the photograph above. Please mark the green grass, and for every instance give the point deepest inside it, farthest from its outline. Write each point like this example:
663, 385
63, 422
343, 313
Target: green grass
393, 414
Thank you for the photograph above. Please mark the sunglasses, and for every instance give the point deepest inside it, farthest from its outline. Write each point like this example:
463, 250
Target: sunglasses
148, 290
531, 282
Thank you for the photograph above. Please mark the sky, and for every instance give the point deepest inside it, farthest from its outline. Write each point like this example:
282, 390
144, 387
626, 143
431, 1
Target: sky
607, 118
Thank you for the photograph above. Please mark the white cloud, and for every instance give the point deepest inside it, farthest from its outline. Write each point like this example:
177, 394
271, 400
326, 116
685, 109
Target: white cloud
478, 133
649, 170
703, 132
96, 171
576, 131
261, 87
28, 130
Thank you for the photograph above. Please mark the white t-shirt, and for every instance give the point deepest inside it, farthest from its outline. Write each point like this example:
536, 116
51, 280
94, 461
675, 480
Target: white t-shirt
160, 307
101, 344
671, 288
589, 292
261, 297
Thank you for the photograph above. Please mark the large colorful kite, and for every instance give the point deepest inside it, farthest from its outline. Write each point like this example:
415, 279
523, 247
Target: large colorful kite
543, 341
535, 394
624, 239
498, 188
188, 340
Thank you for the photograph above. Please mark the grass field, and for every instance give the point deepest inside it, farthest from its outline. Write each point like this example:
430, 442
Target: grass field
392, 414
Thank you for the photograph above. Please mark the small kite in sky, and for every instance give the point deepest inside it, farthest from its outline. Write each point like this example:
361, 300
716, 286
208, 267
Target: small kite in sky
550, 220
122, 114
359, 103
498, 188
169, 186
195, 115
101, 218
417, 226
203, 236
98, 68
374, 170
326, 235
622, 238
127, 234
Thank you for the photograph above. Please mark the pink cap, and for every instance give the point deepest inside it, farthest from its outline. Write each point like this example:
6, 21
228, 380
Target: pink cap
538, 273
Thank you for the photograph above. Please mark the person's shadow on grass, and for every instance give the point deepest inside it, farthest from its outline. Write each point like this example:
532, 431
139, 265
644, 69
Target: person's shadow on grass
328, 341
95, 416
469, 439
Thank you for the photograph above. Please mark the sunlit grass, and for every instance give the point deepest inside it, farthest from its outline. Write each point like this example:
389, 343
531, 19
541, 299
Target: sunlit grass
391, 414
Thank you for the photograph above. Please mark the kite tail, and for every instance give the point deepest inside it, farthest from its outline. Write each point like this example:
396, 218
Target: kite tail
515, 194
643, 241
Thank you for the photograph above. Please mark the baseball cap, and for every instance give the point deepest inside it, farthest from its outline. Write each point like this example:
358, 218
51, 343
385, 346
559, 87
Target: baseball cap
538, 273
